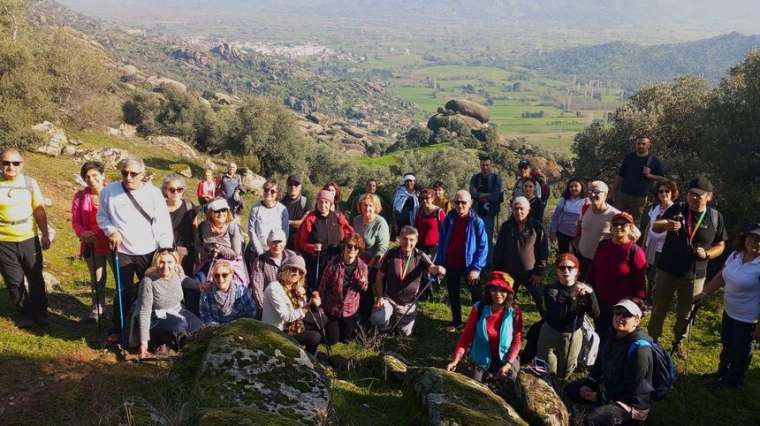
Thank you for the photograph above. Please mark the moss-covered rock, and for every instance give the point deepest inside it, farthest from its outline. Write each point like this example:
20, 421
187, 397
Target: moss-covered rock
244, 417
539, 403
452, 399
249, 365
394, 369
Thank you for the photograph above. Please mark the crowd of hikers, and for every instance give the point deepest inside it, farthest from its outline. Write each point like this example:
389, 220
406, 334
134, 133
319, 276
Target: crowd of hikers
321, 270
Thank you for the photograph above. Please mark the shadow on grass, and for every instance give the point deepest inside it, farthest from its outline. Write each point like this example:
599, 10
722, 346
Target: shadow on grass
164, 164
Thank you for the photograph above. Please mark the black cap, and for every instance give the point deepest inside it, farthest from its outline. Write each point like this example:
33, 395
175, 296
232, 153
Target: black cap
753, 229
523, 164
294, 179
700, 185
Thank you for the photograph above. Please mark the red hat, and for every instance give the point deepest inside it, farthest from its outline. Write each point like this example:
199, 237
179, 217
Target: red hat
623, 216
501, 280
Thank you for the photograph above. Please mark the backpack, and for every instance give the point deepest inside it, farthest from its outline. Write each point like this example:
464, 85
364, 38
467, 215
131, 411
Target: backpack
664, 374
541, 180
589, 345
490, 185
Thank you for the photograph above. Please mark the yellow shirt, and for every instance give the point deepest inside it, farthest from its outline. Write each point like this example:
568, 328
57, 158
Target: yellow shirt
17, 203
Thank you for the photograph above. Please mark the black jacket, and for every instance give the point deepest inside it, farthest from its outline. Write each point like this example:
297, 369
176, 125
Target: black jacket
521, 253
625, 378
565, 314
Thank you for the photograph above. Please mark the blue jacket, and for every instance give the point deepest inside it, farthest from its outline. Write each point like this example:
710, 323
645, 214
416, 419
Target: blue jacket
476, 241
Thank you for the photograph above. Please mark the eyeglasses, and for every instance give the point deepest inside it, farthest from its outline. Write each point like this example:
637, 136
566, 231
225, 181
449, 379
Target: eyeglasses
566, 267
270, 191
176, 190
460, 203
222, 275
11, 163
596, 192
619, 224
352, 247
125, 173
221, 211
664, 191
622, 313
294, 271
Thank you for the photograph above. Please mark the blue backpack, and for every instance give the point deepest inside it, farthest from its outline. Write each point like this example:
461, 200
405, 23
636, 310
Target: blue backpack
664, 374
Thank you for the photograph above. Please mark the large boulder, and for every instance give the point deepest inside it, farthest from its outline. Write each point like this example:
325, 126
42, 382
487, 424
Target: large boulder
250, 181
174, 145
539, 402
54, 141
470, 109
453, 122
452, 399
251, 370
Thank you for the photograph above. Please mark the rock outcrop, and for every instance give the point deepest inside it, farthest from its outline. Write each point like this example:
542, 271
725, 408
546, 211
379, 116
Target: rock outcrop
55, 139
249, 372
469, 109
174, 145
539, 402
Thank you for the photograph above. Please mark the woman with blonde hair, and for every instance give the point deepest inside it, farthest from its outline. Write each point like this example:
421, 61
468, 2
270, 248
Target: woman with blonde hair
182, 212
225, 300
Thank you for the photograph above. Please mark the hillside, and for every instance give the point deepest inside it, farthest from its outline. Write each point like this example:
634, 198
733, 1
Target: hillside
633, 64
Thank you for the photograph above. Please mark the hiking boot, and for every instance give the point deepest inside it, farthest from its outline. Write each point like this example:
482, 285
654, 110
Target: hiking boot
678, 351
25, 322
92, 316
41, 318
454, 328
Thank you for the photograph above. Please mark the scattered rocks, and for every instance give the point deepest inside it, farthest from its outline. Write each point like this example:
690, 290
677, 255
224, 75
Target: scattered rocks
318, 118
228, 51
110, 157
174, 145
540, 403
55, 139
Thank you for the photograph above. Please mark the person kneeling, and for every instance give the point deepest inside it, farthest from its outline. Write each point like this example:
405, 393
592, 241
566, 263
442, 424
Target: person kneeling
620, 384
493, 332
225, 300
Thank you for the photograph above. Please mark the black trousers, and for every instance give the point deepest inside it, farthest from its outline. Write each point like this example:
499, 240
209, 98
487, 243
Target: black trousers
454, 277
736, 354
602, 414
367, 298
130, 267
340, 329
172, 330
564, 243
19, 260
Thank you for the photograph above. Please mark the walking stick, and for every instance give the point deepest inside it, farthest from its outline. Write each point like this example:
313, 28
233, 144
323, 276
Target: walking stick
94, 283
119, 295
321, 330
316, 275
413, 303
679, 338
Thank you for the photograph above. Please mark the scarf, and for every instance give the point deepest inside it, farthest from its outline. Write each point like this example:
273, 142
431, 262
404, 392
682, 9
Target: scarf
294, 327
481, 350
225, 300
400, 198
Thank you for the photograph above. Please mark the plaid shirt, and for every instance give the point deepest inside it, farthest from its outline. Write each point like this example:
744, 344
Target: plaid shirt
211, 314
340, 294
264, 271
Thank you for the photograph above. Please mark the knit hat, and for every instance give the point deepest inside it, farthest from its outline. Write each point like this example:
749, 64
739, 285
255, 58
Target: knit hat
501, 279
296, 262
326, 195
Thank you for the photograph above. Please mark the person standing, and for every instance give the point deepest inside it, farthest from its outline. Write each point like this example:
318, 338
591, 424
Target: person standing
485, 189
522, 250
182, 213
639, 170
564, 223
134, 216
428, 223
594, 224
405, 203
296, 204
93, 243
23, 236
265, 217
462, 250
440, 197
667, 191
206, 190
741, 306
525, 171
376, 236
696, 233
230, 189
536, 205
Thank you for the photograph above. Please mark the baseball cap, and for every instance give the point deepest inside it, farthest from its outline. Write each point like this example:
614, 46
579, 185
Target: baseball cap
629, 306
523, 164
294, 179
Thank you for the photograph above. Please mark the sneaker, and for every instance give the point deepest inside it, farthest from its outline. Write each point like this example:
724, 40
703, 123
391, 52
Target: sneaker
678, 351
454, 328
41, 318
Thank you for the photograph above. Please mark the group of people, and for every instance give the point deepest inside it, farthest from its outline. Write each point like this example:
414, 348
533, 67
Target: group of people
317, 270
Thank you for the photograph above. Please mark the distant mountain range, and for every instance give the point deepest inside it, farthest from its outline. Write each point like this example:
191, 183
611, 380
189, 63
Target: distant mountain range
633, 64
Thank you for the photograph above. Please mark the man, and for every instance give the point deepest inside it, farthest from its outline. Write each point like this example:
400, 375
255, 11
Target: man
406, 202
22, 217
639, 170
594, 224
485, 189
265, 268
525, 171
230, 188
267, 216
297, 205
398, 283
522, 250
134, 216
696, 233
463, 250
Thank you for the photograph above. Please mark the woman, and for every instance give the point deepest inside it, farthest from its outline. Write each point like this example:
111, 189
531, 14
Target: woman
618, 270
320, 234
566, 215
667, 191
93, 243
741, 306
441, 198
333, 187
182, 213
428, 221
161, 319
225, 300
536, 205
342, 285
285, 305
620, 384
376, 234
206, 189
493, 333
567, 302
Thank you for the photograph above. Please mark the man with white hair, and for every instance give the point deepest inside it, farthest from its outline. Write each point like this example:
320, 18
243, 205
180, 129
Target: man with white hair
406, 203
594, 224
134, 216
522, 250
462, 250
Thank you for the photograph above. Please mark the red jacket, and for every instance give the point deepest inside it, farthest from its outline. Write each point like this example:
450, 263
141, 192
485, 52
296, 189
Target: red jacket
83, 218
302, 237
618, 272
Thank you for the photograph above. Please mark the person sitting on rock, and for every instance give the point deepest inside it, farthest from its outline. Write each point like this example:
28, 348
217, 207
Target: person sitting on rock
225, 300
158, 313
620, 384
493, 332
286, 308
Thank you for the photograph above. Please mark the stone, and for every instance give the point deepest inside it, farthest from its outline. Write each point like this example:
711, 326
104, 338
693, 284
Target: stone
174, 145
182, 170
250, 181
318, 118
470, 109
452, 399
127, 130
209, 164
128, 71
354, 131
55, 139
248, 367
225, 99
158, 82
110, 157
69, 150
539, 402
453, 121
394, 369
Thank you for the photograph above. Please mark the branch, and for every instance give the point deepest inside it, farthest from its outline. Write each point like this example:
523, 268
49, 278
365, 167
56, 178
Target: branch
14, 23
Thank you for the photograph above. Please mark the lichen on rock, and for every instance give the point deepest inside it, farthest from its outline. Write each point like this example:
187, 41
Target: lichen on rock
540, 403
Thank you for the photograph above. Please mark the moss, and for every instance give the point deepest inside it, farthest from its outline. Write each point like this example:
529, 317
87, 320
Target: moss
245, 417
186, 368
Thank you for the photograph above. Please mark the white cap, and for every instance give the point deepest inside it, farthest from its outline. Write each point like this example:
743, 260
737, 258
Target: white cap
629, 306
218, 204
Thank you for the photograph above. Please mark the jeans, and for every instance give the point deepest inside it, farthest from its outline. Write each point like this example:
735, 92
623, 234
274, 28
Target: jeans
488, 222
454, 278
736, 354
19, 260
666, 286
130, 267
173, 329
96, 263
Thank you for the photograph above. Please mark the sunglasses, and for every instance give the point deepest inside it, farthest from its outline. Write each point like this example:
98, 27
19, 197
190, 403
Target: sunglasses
664, 191
176, 190
565, 267
270, 191
460, 203
11, 163
222, 275
294, 271
352, 247
221, 211
497, 289
595, 192
622, 313
125, 173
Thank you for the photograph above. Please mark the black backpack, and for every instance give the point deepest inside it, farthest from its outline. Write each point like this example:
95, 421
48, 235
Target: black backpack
664, 374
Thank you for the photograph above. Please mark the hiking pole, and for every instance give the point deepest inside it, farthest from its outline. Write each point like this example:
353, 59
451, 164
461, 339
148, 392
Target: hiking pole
321, 330
119, 295
413, 303
687, 331
316, 275
94, 283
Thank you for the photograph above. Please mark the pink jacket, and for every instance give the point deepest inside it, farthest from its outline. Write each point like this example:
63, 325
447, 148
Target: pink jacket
83, 218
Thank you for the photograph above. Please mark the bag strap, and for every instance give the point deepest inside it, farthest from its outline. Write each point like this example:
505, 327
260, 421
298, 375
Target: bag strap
637, 344
136, 204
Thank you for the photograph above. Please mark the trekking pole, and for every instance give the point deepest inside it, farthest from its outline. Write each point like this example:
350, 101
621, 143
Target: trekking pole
689, 324
321, 330
94, 283
316, 275
413, 303
119, 295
